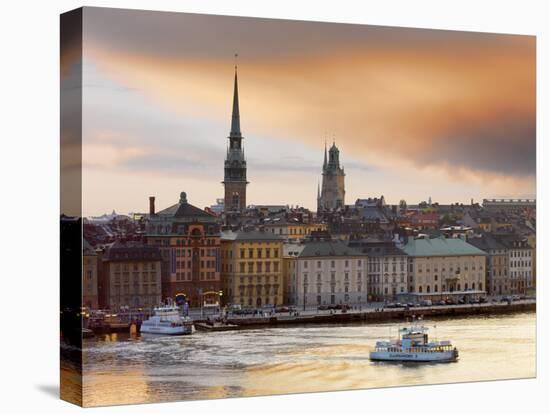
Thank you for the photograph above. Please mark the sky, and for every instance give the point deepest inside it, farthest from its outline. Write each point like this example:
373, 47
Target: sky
415, 113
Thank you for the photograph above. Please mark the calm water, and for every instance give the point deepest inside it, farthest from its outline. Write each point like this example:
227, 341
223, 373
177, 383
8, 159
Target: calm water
122, 369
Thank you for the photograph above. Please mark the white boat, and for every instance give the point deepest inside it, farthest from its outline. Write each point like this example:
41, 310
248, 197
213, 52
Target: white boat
167, 320
413, 345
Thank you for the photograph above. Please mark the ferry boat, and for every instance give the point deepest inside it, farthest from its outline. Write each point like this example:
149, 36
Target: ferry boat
167, 320
413, 345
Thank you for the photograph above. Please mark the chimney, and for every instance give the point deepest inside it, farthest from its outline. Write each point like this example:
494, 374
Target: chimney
151, 206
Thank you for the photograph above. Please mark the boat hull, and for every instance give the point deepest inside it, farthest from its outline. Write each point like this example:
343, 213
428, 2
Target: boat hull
164, 330
446, 356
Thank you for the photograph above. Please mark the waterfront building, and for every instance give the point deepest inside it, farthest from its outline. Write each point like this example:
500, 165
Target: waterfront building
520, 262
332, 193
252, 270
292, 229
131, 276
328, 272
89, 276
442, 268
189, 240
291, 251
235, 181
386, 268
497, 277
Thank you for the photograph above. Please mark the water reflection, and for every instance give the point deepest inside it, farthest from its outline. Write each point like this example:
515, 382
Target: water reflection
120, 368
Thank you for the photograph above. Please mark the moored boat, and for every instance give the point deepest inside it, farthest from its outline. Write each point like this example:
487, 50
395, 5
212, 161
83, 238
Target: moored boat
167, 320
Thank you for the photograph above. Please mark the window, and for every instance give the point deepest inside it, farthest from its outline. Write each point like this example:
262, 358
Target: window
242, 253
250, 253
259, 267
259, 252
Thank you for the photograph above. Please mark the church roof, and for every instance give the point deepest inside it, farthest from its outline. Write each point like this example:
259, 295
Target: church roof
184, 209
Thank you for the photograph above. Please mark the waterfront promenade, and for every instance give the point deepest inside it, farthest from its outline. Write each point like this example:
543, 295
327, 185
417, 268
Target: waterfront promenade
377, 314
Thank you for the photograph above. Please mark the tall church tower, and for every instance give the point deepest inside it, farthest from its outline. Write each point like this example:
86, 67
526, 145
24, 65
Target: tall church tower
234, 180
333, 191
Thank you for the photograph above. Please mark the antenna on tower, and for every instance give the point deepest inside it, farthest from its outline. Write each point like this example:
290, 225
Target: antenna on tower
236, 58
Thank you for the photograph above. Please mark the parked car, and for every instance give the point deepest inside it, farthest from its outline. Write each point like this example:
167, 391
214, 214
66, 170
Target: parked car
441, 303
426, 302
323, 307
282, 309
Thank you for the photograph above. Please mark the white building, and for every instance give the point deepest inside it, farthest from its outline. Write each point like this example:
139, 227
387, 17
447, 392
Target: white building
329, 273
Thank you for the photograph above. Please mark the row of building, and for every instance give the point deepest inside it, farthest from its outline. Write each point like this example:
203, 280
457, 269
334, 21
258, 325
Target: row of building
287, 262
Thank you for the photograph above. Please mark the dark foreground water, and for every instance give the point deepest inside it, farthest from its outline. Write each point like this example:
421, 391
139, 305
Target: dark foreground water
124, 369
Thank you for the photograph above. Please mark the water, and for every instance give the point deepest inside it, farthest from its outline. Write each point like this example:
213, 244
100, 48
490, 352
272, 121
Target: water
124, 369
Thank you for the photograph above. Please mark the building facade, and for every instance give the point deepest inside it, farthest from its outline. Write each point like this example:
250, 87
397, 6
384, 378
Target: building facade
442, 268
291, 251
234, 181
329, 272
386, 269
90, 282
520, 263
497, 273
189, 240
292, 229
252, 270
131, 276
332, 194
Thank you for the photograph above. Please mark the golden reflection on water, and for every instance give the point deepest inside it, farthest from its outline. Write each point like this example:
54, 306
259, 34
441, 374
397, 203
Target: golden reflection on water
300, 359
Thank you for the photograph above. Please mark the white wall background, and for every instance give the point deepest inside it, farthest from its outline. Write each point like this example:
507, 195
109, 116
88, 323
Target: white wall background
29, 159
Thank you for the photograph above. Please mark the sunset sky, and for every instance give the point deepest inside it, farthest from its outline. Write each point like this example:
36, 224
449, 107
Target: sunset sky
415, 113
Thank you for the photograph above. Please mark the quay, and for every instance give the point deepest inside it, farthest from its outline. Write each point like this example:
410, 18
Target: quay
382, 315
132, 323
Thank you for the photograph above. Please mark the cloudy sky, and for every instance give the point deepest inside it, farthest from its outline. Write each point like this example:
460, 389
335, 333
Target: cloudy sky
415, 113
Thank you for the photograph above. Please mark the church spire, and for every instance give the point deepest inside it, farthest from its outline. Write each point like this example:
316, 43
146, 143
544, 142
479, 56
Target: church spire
235, 118
325, 162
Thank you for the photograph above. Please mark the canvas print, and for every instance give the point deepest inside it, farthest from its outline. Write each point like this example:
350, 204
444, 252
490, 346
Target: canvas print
256, 206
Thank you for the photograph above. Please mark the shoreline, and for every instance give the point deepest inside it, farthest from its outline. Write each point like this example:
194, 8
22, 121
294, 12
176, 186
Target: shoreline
371, 316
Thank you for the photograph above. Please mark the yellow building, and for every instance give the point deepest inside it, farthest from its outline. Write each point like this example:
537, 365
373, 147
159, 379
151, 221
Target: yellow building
252, 268
292, 229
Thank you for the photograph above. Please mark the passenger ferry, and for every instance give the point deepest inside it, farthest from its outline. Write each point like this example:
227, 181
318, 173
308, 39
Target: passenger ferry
413, 345
167, 320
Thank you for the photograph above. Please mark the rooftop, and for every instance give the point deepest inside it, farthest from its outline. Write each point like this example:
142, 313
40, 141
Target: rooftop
440, 246
249, 236
328, 248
